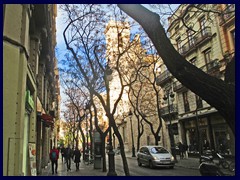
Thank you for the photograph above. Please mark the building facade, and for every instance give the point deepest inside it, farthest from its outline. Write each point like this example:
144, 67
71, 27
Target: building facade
206, 40
31, 90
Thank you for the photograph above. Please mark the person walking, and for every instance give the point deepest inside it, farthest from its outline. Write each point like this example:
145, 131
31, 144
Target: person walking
54, 155
181, 150
68, 155
77, 158
185, 146
62, 152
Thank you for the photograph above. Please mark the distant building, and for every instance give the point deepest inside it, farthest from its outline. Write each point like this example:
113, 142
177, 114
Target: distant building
118, 40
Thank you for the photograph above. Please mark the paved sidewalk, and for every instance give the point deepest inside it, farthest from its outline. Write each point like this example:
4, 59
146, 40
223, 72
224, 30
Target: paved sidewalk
84, 170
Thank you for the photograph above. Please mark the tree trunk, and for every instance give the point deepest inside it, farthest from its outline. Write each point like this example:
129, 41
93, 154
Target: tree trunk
124, 159
104, 169
214, 91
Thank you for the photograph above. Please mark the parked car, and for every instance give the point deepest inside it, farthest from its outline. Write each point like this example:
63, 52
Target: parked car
155, 156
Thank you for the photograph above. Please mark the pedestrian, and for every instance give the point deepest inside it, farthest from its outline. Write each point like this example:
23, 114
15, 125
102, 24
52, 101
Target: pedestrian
53, 155
185, 150
181, 150
77, 158
206, 145
62, 152
68, 155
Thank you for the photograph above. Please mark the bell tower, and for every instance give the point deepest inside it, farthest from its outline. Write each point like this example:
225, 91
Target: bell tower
117, 38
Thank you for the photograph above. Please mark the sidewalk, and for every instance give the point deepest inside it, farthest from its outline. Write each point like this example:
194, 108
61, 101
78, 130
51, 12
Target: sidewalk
84, 170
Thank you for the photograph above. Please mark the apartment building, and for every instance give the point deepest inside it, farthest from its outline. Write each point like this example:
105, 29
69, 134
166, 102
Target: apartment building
31, 87
205, 39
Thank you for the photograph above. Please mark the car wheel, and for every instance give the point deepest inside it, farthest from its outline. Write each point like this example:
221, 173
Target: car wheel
151, 165
171, 167
225, 165
139, 163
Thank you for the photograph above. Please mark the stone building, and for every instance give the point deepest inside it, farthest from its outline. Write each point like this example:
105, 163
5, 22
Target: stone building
205, 39
31, 88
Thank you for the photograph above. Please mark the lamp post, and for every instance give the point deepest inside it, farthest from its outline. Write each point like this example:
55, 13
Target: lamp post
169, 94
86, 108
111, 160
133, 148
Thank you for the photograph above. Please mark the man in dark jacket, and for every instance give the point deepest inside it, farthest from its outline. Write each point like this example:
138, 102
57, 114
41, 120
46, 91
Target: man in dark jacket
77, 157
54, 155
68, 155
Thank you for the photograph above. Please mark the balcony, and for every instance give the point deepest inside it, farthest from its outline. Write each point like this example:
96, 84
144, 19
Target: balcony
201, 37
178, 87
173, 110
227, 14
212, 68
163, 78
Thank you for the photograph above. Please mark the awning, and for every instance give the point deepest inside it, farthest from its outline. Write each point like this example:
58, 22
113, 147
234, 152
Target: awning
47, 118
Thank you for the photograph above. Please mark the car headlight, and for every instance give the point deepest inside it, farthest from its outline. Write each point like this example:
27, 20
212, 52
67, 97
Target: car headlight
172, 158
155, 157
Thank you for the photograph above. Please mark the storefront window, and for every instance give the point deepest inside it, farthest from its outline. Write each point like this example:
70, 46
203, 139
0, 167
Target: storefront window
221, 142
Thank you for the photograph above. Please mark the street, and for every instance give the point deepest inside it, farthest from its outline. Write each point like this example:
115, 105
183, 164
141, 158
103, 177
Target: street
135, 170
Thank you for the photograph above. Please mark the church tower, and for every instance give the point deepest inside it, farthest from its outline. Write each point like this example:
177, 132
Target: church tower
117, 38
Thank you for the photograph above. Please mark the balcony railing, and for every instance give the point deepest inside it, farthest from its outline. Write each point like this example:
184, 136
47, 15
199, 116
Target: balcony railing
228, 13
173, 110
177, 86
212, 68
200, 37
163, 78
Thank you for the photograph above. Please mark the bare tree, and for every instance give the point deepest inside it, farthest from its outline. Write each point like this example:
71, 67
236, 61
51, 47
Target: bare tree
87, 47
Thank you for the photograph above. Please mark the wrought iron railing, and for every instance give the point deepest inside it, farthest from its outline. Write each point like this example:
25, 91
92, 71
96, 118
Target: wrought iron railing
163, 77
196, 39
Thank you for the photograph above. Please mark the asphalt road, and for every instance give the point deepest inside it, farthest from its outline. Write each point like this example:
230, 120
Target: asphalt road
135, 170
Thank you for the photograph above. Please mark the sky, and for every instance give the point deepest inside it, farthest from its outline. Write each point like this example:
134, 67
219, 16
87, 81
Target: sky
61, 47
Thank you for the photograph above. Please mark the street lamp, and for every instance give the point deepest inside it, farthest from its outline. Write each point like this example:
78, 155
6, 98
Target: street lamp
133, 148
169, 94
111, 160
86, 108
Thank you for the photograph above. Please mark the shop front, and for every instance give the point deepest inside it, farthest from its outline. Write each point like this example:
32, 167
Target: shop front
209, 132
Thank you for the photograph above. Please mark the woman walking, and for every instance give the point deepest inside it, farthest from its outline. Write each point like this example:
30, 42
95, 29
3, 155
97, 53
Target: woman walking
77, 157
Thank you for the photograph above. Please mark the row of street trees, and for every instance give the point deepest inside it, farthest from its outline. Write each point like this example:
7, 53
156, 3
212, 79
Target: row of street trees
91, 60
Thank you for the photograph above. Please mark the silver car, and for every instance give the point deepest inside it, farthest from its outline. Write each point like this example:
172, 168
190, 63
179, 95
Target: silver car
155, 156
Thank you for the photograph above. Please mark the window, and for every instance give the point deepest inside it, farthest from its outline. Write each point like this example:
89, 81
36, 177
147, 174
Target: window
190, 37
186, 17
185, 101
199, 103
193, 61
120, 40
179, 47
202, 22
176, 28
207, 57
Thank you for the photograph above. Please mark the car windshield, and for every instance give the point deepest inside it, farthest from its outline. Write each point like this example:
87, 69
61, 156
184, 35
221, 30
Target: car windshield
158, 150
